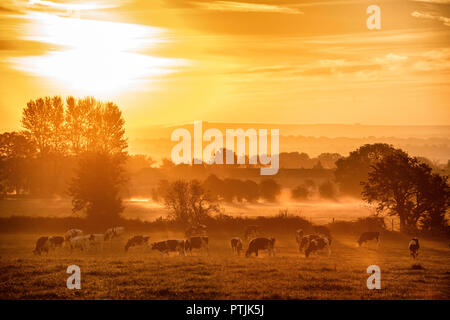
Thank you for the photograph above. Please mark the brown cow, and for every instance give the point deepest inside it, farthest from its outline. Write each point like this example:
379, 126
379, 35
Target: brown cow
367, 236
42, 245
56, 241
261, 244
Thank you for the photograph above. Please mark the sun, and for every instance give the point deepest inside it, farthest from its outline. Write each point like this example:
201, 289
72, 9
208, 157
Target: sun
94, 57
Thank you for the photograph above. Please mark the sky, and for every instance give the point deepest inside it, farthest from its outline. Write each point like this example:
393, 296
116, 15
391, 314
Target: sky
277, 61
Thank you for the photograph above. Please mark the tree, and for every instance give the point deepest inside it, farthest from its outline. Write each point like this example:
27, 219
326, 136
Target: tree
16, 152
300, 192
269, 189
354, 169
189, 202
327, 190
405, 187
43, 120
96, 188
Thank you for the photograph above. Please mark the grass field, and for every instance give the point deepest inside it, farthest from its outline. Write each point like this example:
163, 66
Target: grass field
145, 274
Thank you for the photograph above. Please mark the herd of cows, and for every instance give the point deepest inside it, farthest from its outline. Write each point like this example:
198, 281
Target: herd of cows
196, 238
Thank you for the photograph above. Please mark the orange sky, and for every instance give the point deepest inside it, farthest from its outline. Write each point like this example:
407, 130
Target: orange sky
171, 61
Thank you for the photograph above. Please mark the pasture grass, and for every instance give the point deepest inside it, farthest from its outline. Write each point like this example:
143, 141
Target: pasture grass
146, 274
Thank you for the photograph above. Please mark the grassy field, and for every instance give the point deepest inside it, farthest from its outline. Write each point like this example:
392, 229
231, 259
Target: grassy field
145, 274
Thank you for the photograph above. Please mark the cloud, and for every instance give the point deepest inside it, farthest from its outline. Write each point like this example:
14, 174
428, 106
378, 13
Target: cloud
247, 7
429, 16
71, 6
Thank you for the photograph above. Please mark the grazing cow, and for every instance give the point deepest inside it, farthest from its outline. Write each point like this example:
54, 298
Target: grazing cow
114, 233
236, 245
257, 244
169, 246
72, 233
196, 243
367, 236
251, 231
136, 241
304, 242
80, 242
56, 241
318, 244
414, 247
324, 231
196, 230
42, 245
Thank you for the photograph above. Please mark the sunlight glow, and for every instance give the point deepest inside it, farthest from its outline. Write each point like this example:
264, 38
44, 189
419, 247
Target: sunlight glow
94, 56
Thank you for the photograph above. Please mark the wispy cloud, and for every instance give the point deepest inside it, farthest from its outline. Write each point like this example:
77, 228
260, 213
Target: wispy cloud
247, 7
444, 20
71, 6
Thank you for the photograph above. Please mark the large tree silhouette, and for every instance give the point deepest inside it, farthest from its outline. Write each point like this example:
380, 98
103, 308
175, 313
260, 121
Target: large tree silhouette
405, 187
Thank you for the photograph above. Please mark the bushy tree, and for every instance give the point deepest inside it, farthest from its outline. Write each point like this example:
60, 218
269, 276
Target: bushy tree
354, 169
189, 202
269, 189
405, 187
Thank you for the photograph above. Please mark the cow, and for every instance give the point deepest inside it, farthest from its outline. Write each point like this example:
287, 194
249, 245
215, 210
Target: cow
42, 245
257, 244
236, 245
56, 241
304, 242
251, 231
136, 241
114, 233
72, 233
169, 246
322, 230
318, 244
299, 236
414, 247
196, 243
196, 230
367, 236
80, 242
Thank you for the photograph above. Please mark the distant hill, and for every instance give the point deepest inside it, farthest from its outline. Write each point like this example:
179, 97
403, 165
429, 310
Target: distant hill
308, 130
432, 142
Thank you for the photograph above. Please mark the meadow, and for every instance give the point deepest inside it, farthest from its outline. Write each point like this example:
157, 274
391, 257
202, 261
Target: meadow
145, 274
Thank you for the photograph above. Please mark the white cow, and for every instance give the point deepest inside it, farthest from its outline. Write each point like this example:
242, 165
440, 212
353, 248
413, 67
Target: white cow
79, 242
72, 233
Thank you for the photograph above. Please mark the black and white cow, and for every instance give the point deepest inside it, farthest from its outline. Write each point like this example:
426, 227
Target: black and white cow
305, 240
236, 245
318, 244
414, 247
257, 244
196, 243
136, 241
169, 246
